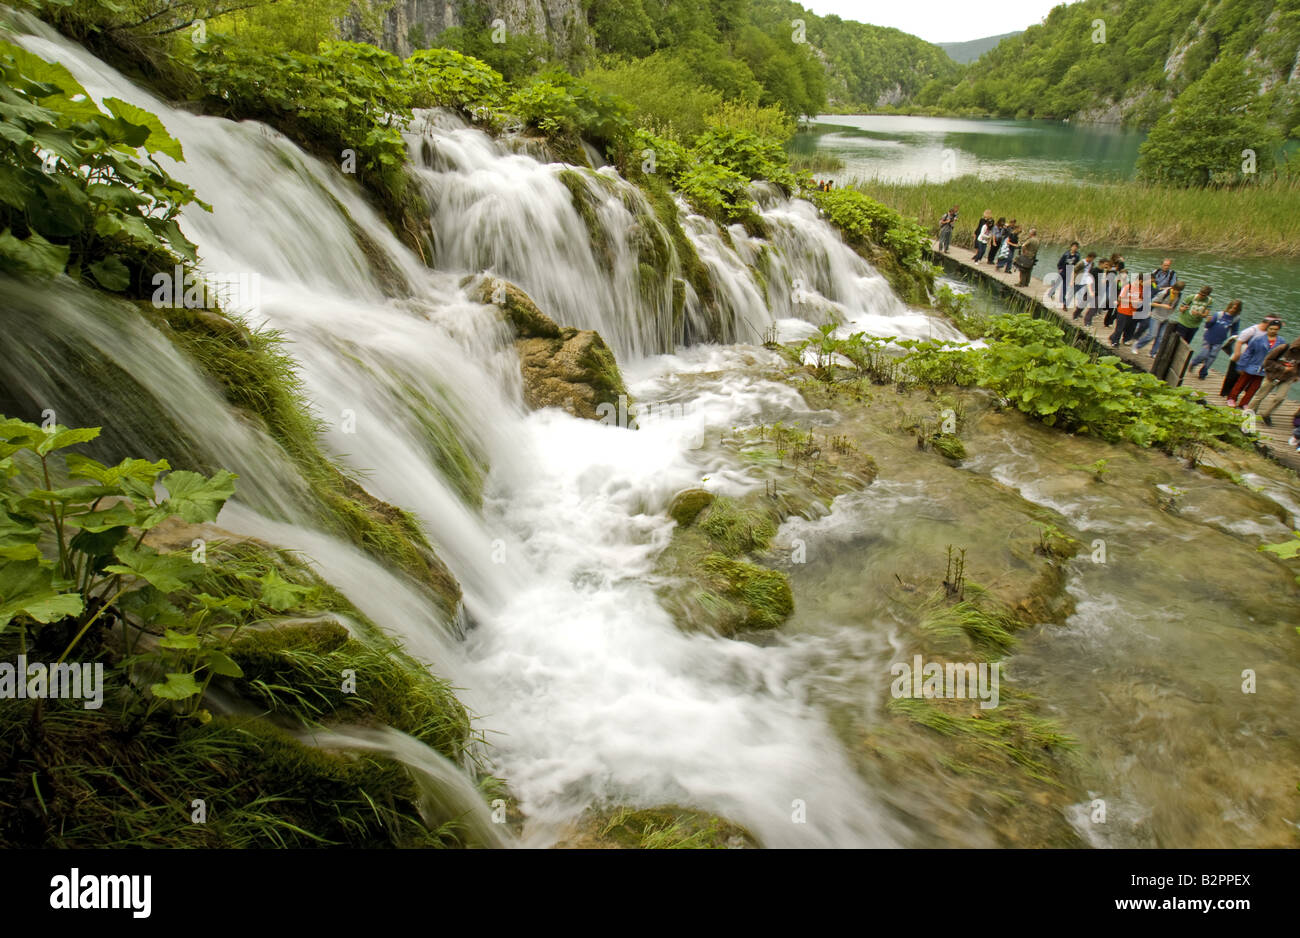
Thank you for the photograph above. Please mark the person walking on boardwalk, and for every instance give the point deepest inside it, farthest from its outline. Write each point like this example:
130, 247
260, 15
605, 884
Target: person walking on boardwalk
1141, 309
1028, 257
1130, 298
1191, 314
1010, 244
1219, 329
1118, 281
1065, 270
1164, 276
1162, 307
1083, 283
1102, 283
1250, 364
983, 235
1281, 368
945, 228
995, 244
1239, 343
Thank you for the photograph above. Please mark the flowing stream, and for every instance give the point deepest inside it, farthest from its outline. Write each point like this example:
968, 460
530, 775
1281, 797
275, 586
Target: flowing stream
586, 690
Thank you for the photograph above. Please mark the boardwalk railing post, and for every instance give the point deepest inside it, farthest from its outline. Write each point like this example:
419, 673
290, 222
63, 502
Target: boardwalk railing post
1171, 361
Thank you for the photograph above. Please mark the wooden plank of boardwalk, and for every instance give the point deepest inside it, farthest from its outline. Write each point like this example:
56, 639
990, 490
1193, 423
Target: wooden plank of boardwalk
1274, 437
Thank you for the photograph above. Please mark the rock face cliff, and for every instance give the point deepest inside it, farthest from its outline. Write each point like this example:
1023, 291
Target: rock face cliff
413, 24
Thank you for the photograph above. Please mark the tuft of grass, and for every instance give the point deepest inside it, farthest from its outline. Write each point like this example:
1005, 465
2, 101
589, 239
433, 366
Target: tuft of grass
979, 623
672, 828
1018, 738
737, 529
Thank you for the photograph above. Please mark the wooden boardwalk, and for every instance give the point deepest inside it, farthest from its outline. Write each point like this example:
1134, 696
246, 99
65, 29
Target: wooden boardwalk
1273, 438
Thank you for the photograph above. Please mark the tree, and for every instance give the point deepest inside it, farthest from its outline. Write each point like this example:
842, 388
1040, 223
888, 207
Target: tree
1216, 132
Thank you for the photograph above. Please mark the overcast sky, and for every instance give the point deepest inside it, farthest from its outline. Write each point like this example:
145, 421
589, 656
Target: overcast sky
940, 20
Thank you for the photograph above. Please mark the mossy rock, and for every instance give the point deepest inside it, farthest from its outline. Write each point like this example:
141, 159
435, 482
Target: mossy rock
948, 446
576, 372
517, 308
687, 505
762, 597
669, 827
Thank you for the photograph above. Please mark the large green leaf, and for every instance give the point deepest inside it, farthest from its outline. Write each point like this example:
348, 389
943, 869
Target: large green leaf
179, 641
159, 140
33, 254
115, 516
178, 687
279, 593
82, 467
27, 589
58, 437
196, 498
221, 663
167, 572
111, 274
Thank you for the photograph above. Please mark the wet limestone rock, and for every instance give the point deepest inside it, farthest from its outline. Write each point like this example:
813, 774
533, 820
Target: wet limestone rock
572, 369
688, 504
576, 373
517, 308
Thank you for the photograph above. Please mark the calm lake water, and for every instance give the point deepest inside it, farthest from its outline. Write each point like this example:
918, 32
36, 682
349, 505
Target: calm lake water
936, 149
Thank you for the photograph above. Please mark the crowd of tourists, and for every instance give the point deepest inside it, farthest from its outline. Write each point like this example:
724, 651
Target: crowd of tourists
1144, 309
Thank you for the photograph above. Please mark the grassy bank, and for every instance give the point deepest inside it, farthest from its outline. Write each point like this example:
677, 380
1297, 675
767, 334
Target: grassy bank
1260, 220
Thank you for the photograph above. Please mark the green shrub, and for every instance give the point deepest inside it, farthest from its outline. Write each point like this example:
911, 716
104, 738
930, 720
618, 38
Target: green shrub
562, 106
74, 194
347, 96
447, 78
865, 221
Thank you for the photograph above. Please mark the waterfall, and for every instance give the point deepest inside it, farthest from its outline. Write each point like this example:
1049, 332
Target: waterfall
585, 687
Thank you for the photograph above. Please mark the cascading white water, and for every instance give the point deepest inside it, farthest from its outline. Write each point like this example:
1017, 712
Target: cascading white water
580, 679
494, 209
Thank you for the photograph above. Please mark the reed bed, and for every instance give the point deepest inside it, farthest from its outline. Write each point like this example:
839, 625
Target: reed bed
1258, 220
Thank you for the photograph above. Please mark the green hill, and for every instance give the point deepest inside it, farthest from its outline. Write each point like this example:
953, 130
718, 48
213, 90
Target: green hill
967, 52
1127, 60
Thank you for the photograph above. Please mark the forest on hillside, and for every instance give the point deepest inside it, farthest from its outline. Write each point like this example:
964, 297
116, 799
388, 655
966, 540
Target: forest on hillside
1129, 60
769, 52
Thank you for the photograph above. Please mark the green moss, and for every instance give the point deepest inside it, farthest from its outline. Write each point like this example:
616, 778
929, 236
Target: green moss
575, 180
687, 505
980, 626
661, 201
298, 672
71, 777
602, 373
79, 778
